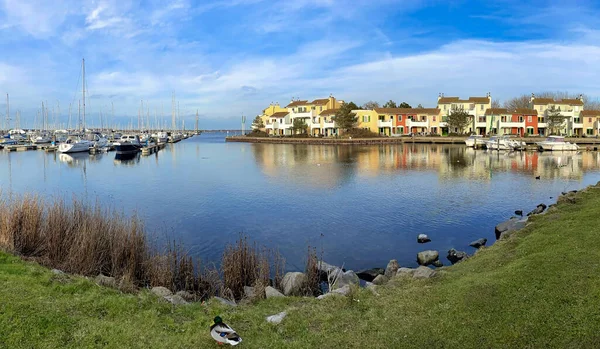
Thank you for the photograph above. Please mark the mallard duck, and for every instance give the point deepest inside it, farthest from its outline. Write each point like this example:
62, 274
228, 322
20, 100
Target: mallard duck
222, 333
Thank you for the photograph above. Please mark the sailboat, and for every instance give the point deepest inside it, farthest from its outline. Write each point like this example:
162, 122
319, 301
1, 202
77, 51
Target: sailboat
78, 144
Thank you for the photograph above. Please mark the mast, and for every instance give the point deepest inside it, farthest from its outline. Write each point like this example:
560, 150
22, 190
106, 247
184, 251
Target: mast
83, 88
196, 121
113, 112
43, 116
69, 125
7, 113
79, 116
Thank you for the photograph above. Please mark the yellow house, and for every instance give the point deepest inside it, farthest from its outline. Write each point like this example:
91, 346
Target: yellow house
591, 122
567, 107
367, 119
316, 114
474, 106
267, 114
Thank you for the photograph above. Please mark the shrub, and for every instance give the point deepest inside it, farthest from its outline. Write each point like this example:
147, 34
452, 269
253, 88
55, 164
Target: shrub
360, 133
257, 133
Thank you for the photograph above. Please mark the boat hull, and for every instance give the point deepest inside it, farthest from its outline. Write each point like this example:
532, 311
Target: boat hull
127, 148
74, 148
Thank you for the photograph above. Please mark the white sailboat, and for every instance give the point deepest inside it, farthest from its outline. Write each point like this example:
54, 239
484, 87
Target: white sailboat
78, 144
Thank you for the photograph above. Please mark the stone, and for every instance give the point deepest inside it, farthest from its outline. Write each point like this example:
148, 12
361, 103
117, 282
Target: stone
423, 272
188, 296
427, 257
328, 271
175, 299
391, 268
346, 279
423, 238
107, 281
271, 292
539, 209
342, 291
161, 291
248, 291
380, 280
455, 256
509, 226
405, 272
370, 274
438, 264
226, 301
569, 198
57, 272
519, 213
478, 243
277, 318
292, 283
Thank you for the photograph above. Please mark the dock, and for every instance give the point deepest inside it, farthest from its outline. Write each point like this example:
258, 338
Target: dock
152, 148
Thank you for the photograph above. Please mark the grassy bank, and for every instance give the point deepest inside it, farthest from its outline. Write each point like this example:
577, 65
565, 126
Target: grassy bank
540, 288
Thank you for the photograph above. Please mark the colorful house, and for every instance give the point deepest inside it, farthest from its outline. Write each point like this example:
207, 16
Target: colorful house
474, 106
316, 114
570, 108
270, 115
367, 119
591, 122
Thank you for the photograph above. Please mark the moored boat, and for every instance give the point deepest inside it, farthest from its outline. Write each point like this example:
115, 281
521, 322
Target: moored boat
75, 144
474, 140
556, 143
128, 144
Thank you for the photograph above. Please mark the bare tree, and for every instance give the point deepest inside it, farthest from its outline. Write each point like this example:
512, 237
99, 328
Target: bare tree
370, 105
496, 103
521, 102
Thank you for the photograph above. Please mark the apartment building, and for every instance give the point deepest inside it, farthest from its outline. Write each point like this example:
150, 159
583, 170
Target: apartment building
568, 108
474, 106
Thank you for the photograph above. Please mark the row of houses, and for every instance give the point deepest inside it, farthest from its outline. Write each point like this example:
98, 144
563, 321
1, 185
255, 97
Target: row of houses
319, 117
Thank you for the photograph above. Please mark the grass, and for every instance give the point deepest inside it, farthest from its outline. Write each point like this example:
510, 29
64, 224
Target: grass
539, 288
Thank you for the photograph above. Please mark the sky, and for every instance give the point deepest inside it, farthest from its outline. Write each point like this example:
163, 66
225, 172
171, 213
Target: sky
227, 58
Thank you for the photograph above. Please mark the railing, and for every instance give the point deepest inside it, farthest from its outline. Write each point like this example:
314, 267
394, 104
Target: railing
384, 123
329, 124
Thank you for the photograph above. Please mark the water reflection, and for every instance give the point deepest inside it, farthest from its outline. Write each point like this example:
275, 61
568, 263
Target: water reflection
127, 159
329, 166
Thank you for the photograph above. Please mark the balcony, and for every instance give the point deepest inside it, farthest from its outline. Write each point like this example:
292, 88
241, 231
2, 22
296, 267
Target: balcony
329, 124
577, 125
512, 124
417, 123
384, 123
269, 126
307, 114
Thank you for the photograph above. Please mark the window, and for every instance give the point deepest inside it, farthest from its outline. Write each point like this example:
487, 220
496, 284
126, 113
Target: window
530, 131
590, 131
321, 108
590, 120
540, 119
434, 119
423, 118
399, 117
481, 108
444, 107
381, 117
312, 108
503, 118
529, 118
576, 108
521, 118
365, 118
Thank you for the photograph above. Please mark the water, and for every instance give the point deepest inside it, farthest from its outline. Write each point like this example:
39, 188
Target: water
361, 206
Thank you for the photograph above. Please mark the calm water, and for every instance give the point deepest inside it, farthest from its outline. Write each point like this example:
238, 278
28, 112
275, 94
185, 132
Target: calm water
361, 205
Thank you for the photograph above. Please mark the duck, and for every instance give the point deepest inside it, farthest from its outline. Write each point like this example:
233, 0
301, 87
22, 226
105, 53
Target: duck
222, 333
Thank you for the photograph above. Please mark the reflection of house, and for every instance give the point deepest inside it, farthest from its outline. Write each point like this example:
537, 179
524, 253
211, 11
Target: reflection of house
474, 106
568, 108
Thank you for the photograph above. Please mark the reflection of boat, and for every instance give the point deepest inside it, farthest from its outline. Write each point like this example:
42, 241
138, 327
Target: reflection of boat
128, 158
128, 144
73, 158
556, 143
474, 140
75, 144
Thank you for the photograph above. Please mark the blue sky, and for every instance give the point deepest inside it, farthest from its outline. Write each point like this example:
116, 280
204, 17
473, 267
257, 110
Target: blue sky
228, 57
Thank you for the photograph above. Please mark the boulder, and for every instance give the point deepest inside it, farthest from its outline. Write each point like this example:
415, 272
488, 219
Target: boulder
59, 272
292, 283
438, 264
478, 243
161, 291
423, 272
277, 318
569, 198
188, 296
248, 291
427, 257
107, 281
175, 299
346, 279
405, 272
519, 213
226, 301
328, 271
391, 268
539, 209
271, 292
370, 274
422, 238
455, 256
380, 280
342, 291
510, 226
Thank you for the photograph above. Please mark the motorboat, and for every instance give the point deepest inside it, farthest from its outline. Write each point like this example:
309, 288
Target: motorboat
6, 140
41, 139
98, 140
474, 140
556, 143
128, 144
498, 143
75, 144
18, 135
162, 137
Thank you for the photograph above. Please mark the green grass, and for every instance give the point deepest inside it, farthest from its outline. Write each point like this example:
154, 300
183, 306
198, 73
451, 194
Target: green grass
540, 288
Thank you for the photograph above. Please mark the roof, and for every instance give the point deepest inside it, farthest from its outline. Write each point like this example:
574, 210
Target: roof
496, 111
279, 114
328, 112
297, 103
446, 100
590, 113
525, 111
479, 100
571, 101
407, 110
543, 100
320, 101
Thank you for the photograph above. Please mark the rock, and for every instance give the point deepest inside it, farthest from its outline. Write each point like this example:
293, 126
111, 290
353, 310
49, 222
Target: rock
391, 268
423, 272
107, 281
277, 318
422, 238
176, 299
519, 213
539, 209
292, 283
346, 279
478, 243
226, 301
328, 271
342, 291
248, 291
455, 256
271, 292
510, 226
438, 264
569, 198
189, 297
427, 257
57, 272
405, 272
161, 291
370, 274
373, 289
126, 285
380, 280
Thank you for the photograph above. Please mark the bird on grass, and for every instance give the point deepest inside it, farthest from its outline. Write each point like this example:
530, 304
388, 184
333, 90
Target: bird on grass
222, 333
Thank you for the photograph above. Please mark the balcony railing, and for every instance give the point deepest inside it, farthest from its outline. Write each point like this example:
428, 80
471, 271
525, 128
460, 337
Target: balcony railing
384, 123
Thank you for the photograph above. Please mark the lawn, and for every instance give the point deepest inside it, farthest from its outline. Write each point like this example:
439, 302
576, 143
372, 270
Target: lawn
540, 288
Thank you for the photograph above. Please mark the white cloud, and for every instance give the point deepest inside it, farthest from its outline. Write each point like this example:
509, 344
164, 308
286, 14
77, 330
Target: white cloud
38, 18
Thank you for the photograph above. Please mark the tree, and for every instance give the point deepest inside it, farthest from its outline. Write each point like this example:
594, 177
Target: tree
345, 118
370, 105
521, 102
390, 104
404, 105
554, 120
258, 123
458, 119
420, 106
299, 125
496, 103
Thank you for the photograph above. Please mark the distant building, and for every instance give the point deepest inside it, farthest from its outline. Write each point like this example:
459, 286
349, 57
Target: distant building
569, 108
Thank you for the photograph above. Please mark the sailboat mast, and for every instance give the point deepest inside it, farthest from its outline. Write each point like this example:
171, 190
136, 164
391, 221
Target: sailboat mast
83, 88
7, 113
196, 121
